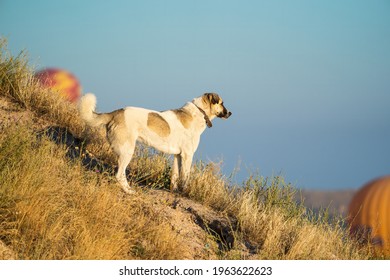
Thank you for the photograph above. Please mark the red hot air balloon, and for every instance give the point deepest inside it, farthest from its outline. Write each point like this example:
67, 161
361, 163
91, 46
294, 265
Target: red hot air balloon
62, 81
369, 214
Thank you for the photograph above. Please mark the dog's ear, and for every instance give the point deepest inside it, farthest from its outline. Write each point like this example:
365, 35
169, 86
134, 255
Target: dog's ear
213, 98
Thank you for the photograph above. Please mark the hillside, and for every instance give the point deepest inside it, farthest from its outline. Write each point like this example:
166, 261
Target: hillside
59, 200
187, 219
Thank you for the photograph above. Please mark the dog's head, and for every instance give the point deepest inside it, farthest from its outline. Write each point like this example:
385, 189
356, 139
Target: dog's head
215, 103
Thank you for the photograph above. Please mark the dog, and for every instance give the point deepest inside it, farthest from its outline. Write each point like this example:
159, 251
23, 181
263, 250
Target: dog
174, 132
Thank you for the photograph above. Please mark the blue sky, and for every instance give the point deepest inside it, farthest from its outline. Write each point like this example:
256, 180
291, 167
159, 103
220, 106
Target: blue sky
308, 82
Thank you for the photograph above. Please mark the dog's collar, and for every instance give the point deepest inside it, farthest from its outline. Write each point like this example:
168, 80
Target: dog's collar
206, 118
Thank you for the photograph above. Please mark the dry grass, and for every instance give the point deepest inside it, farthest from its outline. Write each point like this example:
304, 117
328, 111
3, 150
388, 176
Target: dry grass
208, 186
272, 222
51, 208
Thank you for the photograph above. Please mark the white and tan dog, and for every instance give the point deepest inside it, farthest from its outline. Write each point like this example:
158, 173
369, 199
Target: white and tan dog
174, 132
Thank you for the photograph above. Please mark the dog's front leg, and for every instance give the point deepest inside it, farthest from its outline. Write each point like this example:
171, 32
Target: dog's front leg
175, 172
185, 169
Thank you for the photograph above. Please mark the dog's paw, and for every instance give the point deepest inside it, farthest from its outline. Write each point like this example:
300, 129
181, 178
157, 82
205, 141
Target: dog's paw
128, 189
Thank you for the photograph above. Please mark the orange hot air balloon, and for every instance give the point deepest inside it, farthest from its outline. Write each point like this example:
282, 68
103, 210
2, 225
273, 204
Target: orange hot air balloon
369, 214
61, 81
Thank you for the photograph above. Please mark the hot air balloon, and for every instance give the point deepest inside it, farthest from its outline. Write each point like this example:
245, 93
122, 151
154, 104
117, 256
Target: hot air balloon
369, 214
61, 81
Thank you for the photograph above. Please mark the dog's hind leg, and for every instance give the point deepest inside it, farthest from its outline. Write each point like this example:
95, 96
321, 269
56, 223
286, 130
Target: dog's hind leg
125, 153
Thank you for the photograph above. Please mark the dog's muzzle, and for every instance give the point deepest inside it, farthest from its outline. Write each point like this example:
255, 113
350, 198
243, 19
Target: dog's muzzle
225, 114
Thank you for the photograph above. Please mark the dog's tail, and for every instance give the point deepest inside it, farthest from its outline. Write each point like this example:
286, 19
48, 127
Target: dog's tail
87, 106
